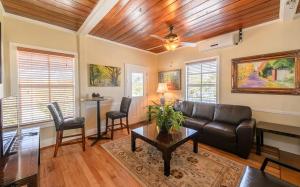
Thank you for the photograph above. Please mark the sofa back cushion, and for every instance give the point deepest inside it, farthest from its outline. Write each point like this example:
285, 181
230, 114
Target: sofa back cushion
233, 114
204, 111
187, 108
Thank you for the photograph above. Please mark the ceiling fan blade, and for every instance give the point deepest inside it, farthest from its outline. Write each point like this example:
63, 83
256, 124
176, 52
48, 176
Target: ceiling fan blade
188, 44
154, 47
157, 37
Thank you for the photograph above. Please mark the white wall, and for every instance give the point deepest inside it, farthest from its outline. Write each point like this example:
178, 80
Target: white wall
270, 38
98, 51
88, 49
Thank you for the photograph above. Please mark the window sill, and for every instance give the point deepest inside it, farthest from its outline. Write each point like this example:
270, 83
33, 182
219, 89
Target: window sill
40, 125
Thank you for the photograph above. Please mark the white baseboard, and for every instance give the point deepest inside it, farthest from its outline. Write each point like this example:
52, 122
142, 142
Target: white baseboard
51, 141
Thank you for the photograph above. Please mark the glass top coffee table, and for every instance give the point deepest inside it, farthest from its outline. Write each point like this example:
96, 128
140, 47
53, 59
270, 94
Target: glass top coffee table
166, 143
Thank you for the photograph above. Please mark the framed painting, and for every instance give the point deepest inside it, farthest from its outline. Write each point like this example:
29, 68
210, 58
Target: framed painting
104, 76
172, 78
276, 73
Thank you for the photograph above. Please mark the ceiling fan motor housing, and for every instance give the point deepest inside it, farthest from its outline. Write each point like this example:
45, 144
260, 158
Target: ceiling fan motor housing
171, 37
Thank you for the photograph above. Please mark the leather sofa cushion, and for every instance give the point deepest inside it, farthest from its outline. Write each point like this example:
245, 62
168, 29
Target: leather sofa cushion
232, 114
177, 105
222, 131
187, 108
196, 124
204, 111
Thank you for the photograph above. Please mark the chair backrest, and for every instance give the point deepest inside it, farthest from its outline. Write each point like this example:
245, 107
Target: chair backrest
125, 105
57, 117
58, 110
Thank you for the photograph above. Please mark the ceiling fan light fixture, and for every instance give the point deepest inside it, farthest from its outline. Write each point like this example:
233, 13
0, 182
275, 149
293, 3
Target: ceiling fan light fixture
171, 46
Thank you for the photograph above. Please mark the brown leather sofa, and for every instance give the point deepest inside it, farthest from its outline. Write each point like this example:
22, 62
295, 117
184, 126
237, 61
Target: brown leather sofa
228, 127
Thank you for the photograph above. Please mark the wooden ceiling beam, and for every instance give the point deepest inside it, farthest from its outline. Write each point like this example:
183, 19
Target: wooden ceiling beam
97, 14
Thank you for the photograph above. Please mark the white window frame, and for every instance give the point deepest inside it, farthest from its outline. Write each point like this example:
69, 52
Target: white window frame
217, 59
14, 77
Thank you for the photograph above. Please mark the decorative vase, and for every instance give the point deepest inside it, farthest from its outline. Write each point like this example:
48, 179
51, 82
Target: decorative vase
165, 127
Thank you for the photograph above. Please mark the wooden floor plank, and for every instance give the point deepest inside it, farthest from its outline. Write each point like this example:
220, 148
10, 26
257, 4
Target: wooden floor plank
95, 167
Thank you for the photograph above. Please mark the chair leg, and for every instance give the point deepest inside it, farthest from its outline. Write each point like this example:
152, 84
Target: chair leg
61, 137
83, 138
106, 125
57, 143
112, 129
121, 123
127, 125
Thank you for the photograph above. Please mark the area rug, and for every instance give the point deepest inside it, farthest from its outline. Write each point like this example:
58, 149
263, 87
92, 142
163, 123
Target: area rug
203, 169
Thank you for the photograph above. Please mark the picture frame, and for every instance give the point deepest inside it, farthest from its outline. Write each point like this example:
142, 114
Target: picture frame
104, 76
172, 78
275, 73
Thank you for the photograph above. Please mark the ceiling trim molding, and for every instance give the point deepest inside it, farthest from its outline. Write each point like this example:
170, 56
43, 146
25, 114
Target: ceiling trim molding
286, 13
246, 29
98, 13
28, 20
120, 44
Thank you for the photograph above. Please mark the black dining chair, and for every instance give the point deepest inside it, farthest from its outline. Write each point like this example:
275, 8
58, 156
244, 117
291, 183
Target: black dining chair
62, 124
113, 115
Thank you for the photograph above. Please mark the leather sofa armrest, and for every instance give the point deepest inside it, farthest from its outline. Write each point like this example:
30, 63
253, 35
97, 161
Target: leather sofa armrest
245, 133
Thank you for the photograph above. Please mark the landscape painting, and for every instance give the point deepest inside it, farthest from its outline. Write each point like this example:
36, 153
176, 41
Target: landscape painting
276, 73
172, 78
104, 76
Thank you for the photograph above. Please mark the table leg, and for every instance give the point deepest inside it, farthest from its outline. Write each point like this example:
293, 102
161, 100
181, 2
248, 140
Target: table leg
195, 145
133, 146
98, 119
258, 141
98, 134
262, 138
167, 160
33, 181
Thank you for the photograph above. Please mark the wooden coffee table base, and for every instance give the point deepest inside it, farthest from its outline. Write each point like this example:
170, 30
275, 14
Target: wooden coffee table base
166, 152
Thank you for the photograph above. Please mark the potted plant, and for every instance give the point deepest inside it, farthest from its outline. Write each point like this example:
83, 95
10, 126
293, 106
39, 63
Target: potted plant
166, 117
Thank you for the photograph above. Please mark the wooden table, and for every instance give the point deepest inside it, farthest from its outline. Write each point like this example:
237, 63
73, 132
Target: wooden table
285, 130
21, 168
166, 143
98, 136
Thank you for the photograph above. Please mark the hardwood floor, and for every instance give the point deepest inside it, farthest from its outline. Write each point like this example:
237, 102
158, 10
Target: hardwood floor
95, 167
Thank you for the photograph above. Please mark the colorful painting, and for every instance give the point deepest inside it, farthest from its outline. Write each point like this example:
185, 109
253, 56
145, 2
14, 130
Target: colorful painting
276, 73
172, 78
104, 76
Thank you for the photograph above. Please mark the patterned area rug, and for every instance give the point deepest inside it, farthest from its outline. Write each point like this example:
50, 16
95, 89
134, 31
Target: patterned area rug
204, 169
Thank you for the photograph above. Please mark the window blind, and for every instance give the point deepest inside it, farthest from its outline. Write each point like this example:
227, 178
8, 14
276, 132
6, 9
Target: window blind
44, 77
201, 81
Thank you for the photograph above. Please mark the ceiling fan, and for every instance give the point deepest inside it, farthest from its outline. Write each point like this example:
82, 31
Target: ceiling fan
171, 41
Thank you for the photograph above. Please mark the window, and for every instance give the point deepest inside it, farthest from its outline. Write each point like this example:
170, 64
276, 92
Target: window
137, 84
201, 81
44, 77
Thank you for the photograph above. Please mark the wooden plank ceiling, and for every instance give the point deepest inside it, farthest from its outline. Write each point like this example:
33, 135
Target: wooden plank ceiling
69, 14
131, 22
